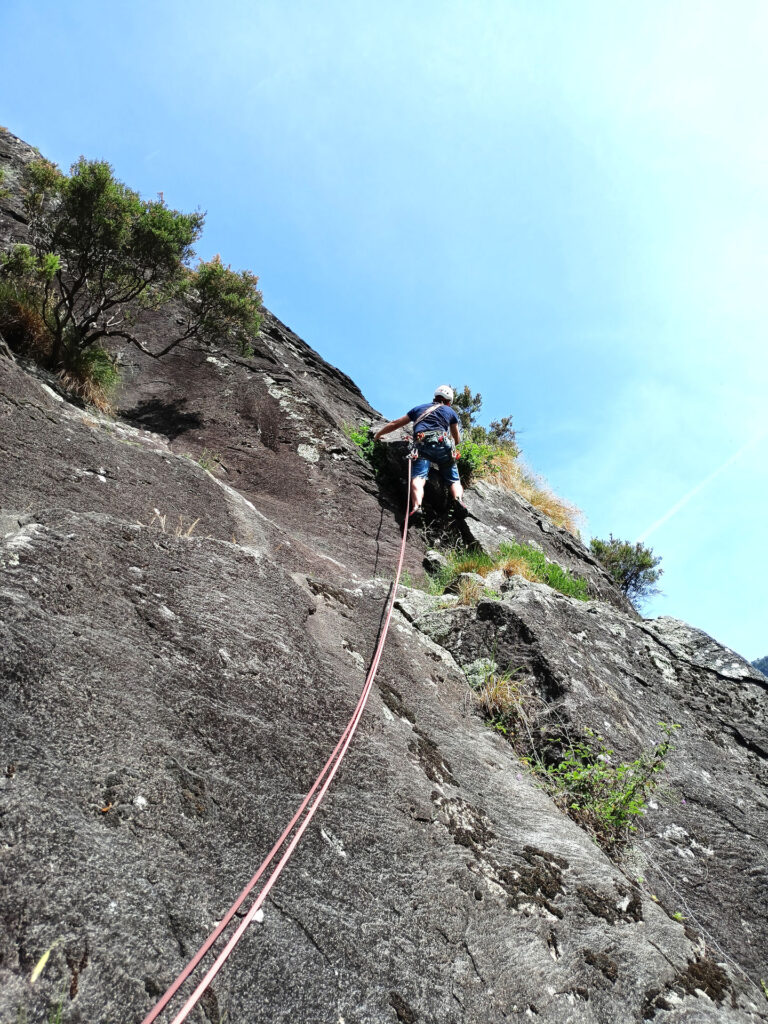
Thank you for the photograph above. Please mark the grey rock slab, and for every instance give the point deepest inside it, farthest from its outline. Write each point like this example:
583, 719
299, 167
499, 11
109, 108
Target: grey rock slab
148, 773
702, 843
415, 603
434, 560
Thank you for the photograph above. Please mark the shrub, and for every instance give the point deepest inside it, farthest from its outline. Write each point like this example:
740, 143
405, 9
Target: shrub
21, 323
492, 453
480, 445
603, 796
371, 450
93, 376
100, 254
478, 459
632, 566
498, 435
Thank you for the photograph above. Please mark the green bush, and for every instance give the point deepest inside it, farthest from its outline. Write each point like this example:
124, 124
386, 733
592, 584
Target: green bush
100, 254
499, 435
632, 566
477, 460
370, 449
480, 446
21, 321
604, 795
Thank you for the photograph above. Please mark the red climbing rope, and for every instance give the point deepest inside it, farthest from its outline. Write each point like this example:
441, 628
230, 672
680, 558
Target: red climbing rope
307, 808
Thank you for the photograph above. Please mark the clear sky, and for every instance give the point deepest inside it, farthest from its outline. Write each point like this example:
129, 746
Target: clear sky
562, 204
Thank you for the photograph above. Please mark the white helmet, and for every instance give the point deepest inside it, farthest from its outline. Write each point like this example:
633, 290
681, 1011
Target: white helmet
444, 392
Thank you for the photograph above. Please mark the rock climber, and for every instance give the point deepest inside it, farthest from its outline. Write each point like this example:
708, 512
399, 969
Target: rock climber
435, 435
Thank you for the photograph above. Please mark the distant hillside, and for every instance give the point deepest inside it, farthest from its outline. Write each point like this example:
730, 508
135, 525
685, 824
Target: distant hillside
761, 664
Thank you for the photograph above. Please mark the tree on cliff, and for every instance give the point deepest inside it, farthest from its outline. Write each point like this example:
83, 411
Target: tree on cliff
99, 254
500, 433
633, 566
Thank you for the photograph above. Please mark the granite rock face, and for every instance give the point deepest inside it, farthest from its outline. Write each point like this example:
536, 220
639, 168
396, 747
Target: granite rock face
189, 597
591, 667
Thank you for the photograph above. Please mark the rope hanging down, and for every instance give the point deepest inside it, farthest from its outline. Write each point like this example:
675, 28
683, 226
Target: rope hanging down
302, 818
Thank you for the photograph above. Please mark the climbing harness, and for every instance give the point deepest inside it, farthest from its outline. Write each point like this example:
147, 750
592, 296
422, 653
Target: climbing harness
428, 436
299, 821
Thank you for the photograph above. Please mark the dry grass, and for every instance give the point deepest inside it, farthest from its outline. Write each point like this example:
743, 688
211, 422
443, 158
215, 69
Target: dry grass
516, 566
87, 391
471, 561
511, 473
499, 696
469, 591
23, 327
180, 529
91, 376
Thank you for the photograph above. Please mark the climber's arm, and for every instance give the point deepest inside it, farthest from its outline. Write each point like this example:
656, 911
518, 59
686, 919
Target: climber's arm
392, 425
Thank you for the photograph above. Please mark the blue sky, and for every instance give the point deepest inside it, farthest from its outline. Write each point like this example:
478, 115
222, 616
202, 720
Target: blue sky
562, 204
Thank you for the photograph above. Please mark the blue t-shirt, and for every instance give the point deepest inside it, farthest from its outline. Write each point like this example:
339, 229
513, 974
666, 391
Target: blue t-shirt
440, 419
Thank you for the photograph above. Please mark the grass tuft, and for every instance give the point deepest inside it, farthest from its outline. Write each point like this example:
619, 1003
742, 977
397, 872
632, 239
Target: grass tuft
508, 471
470, 591
514, 560
93, 376
21, 322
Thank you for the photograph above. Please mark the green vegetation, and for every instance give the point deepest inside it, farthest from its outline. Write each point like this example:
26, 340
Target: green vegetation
370, 449
602, 794
492, 453
477, 460
632, 566
94, 376
498, 435
4, 192
503, 698
100, 255
514, 560
208, 460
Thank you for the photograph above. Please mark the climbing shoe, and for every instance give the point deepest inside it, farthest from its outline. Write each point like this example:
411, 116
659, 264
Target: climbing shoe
416, 518
460, 509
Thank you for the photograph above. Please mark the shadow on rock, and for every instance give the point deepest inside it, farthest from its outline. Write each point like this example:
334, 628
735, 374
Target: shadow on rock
167, 418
